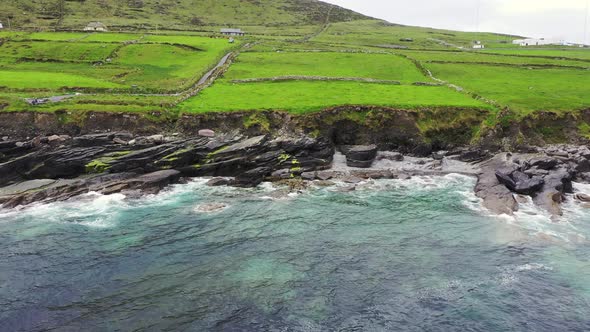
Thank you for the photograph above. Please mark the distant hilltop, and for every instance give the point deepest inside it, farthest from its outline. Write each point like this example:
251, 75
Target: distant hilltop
168, 14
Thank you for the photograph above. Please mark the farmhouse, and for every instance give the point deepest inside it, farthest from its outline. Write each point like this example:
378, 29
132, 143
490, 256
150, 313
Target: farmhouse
232, 32
478, 45
96, 26
537, 42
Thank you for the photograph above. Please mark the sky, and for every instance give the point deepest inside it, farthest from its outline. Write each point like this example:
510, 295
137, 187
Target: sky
558, 19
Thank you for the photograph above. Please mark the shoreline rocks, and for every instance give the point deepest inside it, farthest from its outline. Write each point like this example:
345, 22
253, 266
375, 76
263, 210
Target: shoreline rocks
59, 167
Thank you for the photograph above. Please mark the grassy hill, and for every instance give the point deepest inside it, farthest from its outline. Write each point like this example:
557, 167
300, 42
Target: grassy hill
298, 56
170, 14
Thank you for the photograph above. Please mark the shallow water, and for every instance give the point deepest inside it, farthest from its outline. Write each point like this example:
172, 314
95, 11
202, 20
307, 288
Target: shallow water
411, 255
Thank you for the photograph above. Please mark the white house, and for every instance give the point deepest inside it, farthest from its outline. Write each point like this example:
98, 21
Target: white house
478, 45
96, 26
232, 32
1, 26
538, 42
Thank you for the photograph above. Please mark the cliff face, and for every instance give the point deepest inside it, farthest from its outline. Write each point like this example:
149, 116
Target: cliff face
408, 131
388, 128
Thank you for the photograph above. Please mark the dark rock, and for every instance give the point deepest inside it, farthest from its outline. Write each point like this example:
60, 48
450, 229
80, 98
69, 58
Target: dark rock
154, 182
325, 175
362, 153
562, 154
94, 140
583, 166
422, 150
439, 155
520, 182
377, 174
471, 156
352, 179
281, 174
536, 172
308, 176
557, 183
251, 178
218, 182
393, 156
544, 163
506, 179
358, 163
492, 190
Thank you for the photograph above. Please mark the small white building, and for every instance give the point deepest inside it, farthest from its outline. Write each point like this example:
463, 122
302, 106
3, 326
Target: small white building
232, 32
1, 26
478, 45
96, 26
538, 42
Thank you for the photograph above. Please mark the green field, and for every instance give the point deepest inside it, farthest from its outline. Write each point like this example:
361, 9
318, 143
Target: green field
298, 58
348, 65
521, 89
95, 62
305, 97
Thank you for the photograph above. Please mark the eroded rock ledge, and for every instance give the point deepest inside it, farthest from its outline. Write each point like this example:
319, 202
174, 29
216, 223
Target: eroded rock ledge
59, 167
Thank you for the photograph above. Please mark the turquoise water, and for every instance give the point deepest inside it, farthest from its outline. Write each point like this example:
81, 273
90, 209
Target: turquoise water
412, 255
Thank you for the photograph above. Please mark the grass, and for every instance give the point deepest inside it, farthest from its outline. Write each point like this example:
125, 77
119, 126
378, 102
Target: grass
156, 64
523, 90
379, 33
376, 66
175, 15
14, 79
304, 97
82, 52
569, 53
477, 57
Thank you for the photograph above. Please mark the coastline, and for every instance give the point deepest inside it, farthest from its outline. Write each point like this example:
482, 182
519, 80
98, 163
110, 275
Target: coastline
61, 167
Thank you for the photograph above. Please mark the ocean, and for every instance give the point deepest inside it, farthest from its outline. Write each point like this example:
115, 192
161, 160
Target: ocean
393, 255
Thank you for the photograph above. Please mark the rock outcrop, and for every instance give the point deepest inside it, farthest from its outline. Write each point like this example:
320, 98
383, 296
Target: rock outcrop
546, 176
40, 170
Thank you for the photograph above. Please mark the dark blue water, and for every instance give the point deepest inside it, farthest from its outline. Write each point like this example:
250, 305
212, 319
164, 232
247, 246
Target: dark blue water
414, 255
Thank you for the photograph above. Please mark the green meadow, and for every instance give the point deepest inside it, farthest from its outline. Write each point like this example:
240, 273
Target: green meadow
306, 65
301, 97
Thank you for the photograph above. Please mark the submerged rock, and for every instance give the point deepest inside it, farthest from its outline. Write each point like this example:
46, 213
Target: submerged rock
211, 207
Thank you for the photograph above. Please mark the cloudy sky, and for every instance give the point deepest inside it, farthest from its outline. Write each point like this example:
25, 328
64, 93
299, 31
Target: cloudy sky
562, 19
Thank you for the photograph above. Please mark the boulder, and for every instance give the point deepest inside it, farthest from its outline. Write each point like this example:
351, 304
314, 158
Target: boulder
393, 156
281, 174
251, 178
490, 187
544, 163
558, 153
439, 155
358, 163
308, 176
583, 165
582, 198
472, 156
362, 152
206, 133
325, 175
218, 182
156, 139
520, 182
